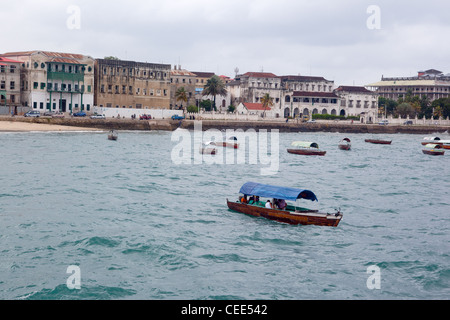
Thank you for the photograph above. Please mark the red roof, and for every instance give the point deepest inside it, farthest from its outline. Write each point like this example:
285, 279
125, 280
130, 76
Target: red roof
3, 59
260, 75
255, 106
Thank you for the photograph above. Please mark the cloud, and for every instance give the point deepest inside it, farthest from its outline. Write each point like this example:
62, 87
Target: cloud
322, 37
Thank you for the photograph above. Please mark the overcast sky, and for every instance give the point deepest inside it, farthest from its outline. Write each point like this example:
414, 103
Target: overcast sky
353, 42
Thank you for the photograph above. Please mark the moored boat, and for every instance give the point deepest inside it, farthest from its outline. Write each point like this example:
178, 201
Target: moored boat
232, 143
306, 148
378, 141
433, 149
345, 144
436, 140
112, 135
206, 148
283, 212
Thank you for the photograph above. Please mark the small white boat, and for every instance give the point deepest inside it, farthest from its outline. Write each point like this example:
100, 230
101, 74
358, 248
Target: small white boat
207, 148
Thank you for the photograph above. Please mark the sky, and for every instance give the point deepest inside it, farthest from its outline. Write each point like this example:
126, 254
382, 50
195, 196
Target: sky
351, 42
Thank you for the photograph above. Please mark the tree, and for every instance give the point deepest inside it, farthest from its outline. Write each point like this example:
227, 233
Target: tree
214, 87
111, 58
181, 95
405, 109
267, 102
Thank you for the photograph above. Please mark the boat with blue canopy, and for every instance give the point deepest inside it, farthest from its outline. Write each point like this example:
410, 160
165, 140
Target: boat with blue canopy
274, 206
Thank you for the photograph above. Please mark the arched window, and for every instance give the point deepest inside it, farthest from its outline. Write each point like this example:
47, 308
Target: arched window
286, 112
315, 111
333, 112
324, 111
306, 112
296, 112
342, 113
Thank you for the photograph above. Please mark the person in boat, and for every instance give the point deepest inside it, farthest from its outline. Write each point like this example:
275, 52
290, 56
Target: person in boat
281, 204
268, 204
251, 200
244, 199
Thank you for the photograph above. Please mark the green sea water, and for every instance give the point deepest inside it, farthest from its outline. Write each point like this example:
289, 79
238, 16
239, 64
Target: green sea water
139, 226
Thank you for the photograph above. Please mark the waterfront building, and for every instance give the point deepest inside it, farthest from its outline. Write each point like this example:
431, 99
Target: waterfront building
358, 101
254, 109
55, 81
132, 85
250, 87
9, 85
432, 84
181, 78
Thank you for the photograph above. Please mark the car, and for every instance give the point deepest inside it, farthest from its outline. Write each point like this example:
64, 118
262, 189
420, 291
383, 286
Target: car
408, 122
98, 116
33, 113
49, 113
79, 114
58, 115
383, 122
145, 117
311, 121
177, 117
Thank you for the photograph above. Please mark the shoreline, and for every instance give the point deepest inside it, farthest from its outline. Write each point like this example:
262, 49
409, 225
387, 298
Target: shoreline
21, 124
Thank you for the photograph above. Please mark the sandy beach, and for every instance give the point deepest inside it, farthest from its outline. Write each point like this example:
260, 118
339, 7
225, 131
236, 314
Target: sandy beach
17, 126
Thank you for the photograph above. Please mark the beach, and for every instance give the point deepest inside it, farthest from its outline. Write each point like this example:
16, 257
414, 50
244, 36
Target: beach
18, 126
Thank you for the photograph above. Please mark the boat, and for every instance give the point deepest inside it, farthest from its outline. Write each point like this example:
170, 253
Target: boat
436, 140
232, 143
378, 141
112, 135
345, 144
433, 149
291, 213
206, 148
306, 148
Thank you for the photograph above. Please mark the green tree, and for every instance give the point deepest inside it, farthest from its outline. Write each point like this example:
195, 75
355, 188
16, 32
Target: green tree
181, 95
214, 87
231, 108
405, 109
206, 104
267, 102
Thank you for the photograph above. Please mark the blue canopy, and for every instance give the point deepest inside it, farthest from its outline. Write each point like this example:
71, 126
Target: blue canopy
268, 191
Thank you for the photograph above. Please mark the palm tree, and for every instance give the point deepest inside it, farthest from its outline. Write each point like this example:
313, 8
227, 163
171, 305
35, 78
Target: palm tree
267, 102
181, 95
213, 87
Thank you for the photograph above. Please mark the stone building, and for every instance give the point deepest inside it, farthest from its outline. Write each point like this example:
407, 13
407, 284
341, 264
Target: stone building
180, 78
432, 84
358, 101
130, 84
55, 81
9, 86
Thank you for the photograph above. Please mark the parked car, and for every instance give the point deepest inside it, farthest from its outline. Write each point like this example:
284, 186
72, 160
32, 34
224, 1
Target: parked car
145, 117
98, 116
177, 117
383, 122
310, 121
49, 113
408, 122
79, 114
33, 113
58, 115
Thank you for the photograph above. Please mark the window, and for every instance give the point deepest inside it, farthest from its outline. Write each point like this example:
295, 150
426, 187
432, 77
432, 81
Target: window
41, 105
35, 85
42, 85
3, 85
12, 85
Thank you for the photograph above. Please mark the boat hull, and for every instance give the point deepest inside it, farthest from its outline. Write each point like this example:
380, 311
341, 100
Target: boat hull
378, 141
344, 146
434, 152
112, 137
310, 217
208, 151
227, 144
307, 152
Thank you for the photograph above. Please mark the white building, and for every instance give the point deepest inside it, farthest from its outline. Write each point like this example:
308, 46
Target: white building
358, 101
247, 108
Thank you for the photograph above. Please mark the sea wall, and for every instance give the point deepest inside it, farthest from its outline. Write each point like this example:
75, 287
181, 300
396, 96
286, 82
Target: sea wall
170, 125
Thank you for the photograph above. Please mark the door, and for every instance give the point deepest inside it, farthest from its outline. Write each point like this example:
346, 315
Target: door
63, 105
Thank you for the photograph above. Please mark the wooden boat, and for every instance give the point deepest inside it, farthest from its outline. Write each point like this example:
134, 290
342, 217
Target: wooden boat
345, 144
306, 148
291, 214
206, 148
112, 135
436, 140
228, 144
433, 149
378, 141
